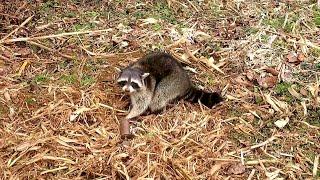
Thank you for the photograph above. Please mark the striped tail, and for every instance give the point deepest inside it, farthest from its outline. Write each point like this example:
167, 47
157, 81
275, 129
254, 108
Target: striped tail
207, 99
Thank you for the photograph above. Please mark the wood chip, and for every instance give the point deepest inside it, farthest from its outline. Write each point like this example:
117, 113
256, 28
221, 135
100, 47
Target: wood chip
237, 168
271, 102
251, 75
315, 165
305, 110
268, 82
271, 71
294, 93
282, 122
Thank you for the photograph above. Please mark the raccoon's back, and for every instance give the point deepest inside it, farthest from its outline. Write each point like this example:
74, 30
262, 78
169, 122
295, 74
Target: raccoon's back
159, 64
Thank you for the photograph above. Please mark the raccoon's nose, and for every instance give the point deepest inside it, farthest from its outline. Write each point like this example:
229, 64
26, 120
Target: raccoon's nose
125, 88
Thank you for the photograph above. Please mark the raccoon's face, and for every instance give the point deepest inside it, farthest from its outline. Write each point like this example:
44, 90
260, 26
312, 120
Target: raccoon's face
132, 80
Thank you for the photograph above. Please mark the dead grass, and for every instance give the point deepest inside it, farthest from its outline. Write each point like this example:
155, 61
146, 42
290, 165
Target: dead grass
60, 107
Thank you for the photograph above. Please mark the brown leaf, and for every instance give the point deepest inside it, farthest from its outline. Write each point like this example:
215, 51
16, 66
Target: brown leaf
304, 92
214, 169
7, 96
292, 57
267, 82
3, 71
236, 169
6, 53
251, 75
295, 58
272, 71
301, 57
242, 81
2, 143
72, 7
23, 52
250, 117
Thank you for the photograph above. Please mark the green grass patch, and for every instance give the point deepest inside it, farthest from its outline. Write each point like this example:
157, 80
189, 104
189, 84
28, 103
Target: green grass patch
316, 16
280, 43
251, 30
92, 14
47, 6
162, 11
279, 23
258, 100
156, 27
30, 101
92, 66
70, 14
282, 88
314, 117
211, 80
238, 137
139, 15
87, 80
86, 26
216, 11
264, 38
275, 23
315, 52
317, 20
41, 78
69, 79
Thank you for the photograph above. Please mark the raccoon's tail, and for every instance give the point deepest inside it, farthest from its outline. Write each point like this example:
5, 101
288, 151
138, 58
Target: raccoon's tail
206, 98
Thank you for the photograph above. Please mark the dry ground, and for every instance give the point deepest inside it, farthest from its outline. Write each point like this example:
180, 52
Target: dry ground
60, 106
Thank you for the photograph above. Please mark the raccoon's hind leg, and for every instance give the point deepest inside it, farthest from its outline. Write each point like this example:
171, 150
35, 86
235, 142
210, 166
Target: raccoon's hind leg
167, 90
139, 104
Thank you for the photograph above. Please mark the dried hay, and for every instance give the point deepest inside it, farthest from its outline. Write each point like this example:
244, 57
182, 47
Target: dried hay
60, 107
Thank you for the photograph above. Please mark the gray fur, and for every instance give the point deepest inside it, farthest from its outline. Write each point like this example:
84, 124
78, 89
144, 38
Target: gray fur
169, 89
159, 80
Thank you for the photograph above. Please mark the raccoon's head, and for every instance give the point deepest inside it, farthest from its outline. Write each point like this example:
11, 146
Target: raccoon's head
132, 80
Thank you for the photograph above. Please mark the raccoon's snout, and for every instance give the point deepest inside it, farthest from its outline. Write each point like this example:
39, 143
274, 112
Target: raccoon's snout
127, 88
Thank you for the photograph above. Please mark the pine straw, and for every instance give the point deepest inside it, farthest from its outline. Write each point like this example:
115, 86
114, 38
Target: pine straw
60, 107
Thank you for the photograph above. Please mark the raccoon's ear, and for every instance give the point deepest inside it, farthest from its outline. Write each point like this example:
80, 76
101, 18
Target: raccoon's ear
144, 75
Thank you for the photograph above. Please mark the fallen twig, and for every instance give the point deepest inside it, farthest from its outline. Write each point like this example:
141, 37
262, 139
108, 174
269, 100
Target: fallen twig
112, 108
49, 49
53, 36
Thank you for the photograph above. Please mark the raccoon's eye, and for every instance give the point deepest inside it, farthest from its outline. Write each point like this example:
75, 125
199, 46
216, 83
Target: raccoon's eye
135, 85
122, 83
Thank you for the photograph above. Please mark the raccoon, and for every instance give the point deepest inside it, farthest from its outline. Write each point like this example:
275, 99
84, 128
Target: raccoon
158, 79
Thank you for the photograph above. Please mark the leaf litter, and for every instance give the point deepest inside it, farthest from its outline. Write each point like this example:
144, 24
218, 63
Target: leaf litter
60, 107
